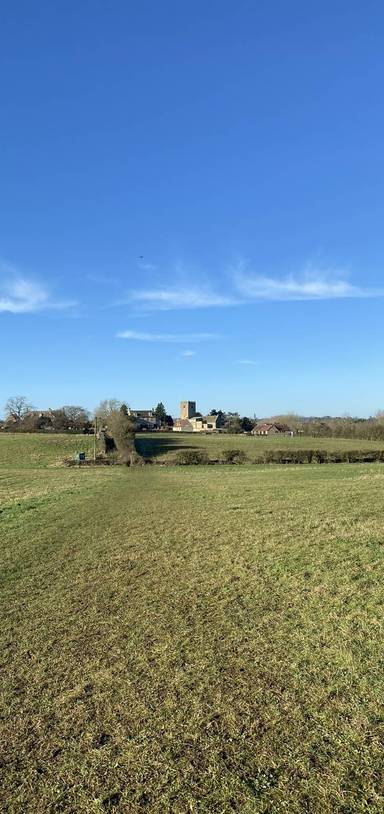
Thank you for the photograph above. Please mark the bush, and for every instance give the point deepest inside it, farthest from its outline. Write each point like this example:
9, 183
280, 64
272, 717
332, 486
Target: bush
307, 456
189, 457
233, 456
319, 456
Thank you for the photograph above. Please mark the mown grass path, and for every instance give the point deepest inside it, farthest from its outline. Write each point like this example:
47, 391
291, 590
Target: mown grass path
192, 640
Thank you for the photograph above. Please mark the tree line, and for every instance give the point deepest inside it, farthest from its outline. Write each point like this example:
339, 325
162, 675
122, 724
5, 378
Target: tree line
20, 416
368, 429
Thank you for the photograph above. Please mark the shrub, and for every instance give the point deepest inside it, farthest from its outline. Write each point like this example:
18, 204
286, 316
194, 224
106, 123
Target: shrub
123, 432
289, 456
189, 457
319, 456
307, 456
233, 456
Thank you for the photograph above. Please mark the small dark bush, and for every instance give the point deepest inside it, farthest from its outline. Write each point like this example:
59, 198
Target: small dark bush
319, 456
233, 456
190, 457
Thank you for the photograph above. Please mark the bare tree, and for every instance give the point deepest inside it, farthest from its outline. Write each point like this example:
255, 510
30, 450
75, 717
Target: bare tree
106, 408
77, 417
17, 407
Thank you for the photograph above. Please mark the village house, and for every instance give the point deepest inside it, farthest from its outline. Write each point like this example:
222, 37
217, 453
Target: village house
36, 419
144, 419
271, 429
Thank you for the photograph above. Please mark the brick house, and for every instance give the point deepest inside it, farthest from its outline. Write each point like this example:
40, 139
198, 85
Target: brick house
271, 429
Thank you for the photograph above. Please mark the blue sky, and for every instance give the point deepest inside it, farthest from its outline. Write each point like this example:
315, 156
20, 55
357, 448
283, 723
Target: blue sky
192, 204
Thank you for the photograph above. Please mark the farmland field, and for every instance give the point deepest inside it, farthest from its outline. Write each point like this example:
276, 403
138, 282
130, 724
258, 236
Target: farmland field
34, 450
164, 446
190, 639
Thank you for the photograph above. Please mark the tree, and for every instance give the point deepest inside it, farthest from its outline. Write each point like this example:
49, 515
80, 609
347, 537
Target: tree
106, 408
291, 418
247, 424
161, 414
169, 420
122, 428
59, 420
234, 424
17, 407
77, 417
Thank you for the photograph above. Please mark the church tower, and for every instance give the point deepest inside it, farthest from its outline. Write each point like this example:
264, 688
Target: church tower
187, 409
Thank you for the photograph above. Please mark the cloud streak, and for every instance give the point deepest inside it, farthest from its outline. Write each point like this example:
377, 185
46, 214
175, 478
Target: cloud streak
140, 336
308, 286
164, 299
242, 287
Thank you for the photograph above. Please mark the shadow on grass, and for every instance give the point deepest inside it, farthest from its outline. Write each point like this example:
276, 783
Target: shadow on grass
156, 445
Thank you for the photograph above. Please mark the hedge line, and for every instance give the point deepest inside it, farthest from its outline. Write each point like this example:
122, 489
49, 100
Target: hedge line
320, 456
282, 456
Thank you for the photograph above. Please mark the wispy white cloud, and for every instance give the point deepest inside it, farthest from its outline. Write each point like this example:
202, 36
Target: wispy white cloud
22, 297
246, 362
19, 295
309, 285
164, 299
188, 353
140, 336
243, 286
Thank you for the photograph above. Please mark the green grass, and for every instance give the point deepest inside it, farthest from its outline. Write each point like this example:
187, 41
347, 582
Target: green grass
164, 446
32, 450
199, 640
20, 450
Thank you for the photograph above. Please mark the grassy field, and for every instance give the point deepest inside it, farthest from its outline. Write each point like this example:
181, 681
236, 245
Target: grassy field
164, 446
35, 450
41, 450
186, 639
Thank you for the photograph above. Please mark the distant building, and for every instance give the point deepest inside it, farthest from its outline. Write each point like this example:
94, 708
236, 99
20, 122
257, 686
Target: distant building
189, 421
144, 419
272, 429
207, 423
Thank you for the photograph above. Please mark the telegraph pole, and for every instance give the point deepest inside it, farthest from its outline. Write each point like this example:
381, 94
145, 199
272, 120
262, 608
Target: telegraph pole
94, 439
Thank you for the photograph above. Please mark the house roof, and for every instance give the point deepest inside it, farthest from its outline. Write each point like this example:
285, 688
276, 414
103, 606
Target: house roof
268, 426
